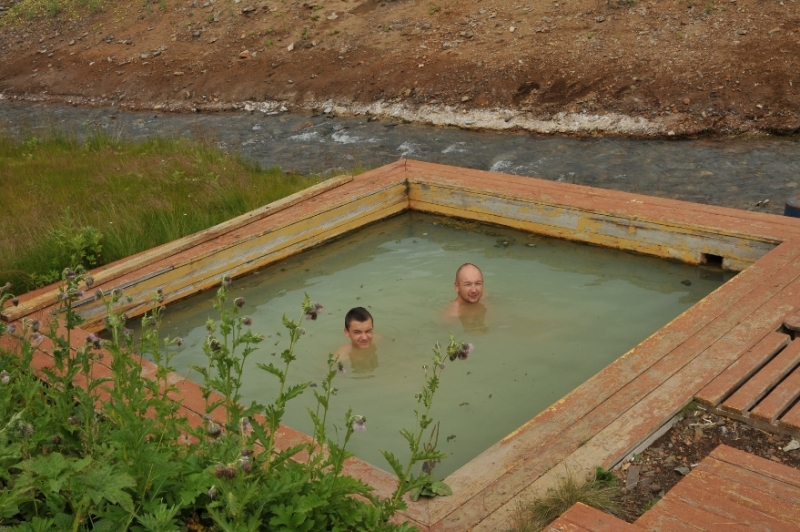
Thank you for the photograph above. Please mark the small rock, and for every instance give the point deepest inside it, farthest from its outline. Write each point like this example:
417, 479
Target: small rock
290, 47
290, 82
512, 29
601, 18
72, 42
465, 99
633, 477
547, 20
741, 32
244, 54
683, 470
333, 16
687, 282
179, 73
791, 446
196, 34
247, 10
655, 487
449, 45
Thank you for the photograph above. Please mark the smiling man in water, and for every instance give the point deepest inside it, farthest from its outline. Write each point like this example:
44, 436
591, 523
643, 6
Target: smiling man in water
467, 305
359, 328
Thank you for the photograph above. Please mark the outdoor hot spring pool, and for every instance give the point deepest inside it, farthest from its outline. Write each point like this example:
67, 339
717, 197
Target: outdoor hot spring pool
557, 313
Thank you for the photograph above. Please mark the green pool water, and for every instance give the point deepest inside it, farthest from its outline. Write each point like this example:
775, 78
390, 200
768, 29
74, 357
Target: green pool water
556, 313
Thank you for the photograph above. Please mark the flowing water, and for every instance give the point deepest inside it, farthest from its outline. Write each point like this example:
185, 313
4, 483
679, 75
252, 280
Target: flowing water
556, 312
732, 172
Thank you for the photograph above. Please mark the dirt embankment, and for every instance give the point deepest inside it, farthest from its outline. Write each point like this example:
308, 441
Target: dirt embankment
667, 67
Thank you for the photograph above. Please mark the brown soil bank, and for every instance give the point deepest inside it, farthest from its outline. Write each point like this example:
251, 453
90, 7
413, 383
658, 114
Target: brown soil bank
626, 66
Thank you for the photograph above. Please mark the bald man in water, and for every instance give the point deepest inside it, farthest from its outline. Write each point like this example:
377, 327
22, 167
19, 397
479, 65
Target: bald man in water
467, 305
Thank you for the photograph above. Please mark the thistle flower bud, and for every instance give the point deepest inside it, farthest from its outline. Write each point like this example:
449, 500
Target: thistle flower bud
340, 367
57, 439
5, 378
214, 344
247, 322
246, 426
15, 301
89, 281
226, 280
244, 461
213, 429
314, 311
73, 420
12, 328
239, 302
26, 430
94, 340
99, 293
35, 324
178, 341
359, 423
37, 338
247, 452
212, 492
223, 471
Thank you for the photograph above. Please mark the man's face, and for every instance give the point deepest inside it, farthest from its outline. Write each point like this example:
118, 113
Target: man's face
469, 284
360, 333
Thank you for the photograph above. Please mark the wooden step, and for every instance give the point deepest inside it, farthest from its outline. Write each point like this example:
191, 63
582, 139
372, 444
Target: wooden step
581, 517
763, 381
779, 399
733, 491
791, 419
745, 367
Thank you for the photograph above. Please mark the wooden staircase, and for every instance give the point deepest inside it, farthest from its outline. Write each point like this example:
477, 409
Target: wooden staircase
730, 491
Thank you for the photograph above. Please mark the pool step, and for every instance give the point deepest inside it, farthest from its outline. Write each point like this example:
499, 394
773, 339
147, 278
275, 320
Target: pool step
582, 518
730, 490
762, 387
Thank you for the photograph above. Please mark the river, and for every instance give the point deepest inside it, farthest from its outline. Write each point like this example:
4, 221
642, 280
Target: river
734, 171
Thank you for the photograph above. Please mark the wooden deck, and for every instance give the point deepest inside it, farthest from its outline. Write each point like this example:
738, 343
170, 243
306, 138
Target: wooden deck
729, 490
762, 387
602, 421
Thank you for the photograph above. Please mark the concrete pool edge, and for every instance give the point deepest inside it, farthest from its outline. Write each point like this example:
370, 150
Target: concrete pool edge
603, 419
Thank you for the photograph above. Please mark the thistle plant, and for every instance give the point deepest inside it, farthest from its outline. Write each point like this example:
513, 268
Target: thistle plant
227, 346
113, 452
422, 483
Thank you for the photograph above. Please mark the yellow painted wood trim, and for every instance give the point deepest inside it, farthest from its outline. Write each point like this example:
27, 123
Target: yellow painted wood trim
417, 193
182, 244
202, 272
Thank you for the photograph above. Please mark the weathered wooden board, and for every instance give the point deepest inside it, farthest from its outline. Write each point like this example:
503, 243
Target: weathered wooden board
762, 382
745, 367
756, 464
724, 510
673, 514
591, 519
779, 399
791, 419
200, 271
684, 243
759, 225
120, 268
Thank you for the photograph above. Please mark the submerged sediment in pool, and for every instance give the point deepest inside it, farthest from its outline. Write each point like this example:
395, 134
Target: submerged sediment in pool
556, 312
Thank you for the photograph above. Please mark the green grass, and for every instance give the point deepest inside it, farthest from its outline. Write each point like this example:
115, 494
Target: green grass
66, 201
600, 491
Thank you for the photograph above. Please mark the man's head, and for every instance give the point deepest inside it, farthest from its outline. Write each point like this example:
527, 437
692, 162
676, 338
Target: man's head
469, 283
358, 327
